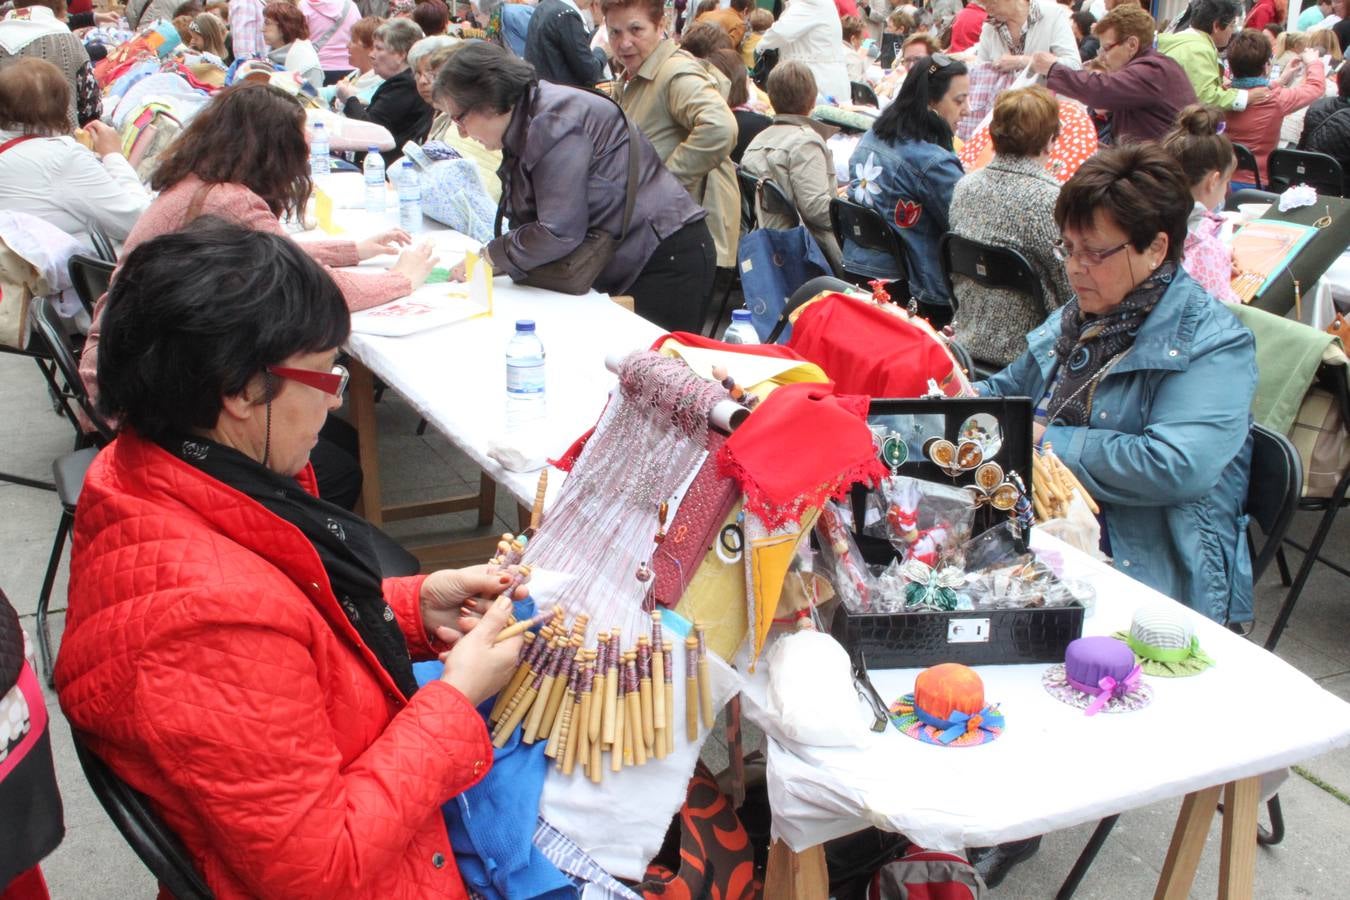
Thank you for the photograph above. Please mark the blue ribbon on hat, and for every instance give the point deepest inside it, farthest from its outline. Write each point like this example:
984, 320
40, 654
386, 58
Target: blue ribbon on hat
960, 723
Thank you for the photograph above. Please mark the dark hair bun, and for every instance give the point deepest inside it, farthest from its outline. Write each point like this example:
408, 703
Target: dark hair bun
1199, 120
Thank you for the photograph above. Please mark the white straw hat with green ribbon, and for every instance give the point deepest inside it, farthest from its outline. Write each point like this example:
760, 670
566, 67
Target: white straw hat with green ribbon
1164, 643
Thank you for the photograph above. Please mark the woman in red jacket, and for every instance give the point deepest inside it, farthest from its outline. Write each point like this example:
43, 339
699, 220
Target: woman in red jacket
231, 648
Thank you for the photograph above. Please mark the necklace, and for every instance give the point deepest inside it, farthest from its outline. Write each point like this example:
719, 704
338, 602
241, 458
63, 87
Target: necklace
1090, 383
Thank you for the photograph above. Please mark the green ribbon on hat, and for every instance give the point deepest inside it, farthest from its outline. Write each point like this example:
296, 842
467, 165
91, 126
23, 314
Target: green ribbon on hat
1176, 655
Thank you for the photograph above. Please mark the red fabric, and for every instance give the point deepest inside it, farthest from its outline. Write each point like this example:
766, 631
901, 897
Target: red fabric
75, 7
966, 27
28, 885
1262, 14
846, 8
208, 662
800, 446
867, 350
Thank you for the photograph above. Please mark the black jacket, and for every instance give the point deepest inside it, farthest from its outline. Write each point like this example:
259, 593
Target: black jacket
560, 139
1326, 129
559, 48
397, 106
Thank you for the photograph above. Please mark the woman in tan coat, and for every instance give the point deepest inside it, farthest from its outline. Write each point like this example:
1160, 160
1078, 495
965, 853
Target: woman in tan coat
671, 97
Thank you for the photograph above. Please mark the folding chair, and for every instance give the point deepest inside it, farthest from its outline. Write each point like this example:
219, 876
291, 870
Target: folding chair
1323, 172
69, 470
775, 200
863, 95
1332, 379
156, 845
991, 266
865, 227
103, 245
1246, 162
90, 278
1272, 495
749, 188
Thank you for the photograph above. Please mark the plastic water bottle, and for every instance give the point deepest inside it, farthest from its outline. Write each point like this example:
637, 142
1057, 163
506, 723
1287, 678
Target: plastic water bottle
525, 365
319, 163
374, 172
409, 199
741, 330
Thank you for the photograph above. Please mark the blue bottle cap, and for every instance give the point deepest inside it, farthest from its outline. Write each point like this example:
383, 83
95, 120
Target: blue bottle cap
372, 149
524, 324
407, 164
740, 315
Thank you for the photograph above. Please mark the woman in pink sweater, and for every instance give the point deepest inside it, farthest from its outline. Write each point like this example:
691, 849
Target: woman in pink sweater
1258, 127
245, 158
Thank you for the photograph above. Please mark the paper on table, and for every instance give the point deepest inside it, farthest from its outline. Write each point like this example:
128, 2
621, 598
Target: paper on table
432, 305
1263, 249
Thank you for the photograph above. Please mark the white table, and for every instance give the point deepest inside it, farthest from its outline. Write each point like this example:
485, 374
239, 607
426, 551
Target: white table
1054, 767
455, 377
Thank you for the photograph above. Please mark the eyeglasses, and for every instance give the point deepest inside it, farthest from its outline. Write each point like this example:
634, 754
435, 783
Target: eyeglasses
458, 118
1088, 258
333, 382
938, 61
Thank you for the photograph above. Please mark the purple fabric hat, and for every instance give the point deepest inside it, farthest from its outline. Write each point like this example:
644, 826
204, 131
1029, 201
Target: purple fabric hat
1098, 673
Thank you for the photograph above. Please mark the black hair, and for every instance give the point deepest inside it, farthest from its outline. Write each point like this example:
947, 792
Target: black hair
481, 75
910, 117
193, 315
1205, 14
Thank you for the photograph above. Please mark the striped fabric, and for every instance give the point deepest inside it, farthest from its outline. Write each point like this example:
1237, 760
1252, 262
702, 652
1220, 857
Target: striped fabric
595, 883
1161, 628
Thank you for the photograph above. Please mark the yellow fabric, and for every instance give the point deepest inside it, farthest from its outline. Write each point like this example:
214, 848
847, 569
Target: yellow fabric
802, 371
716, 597
770, 558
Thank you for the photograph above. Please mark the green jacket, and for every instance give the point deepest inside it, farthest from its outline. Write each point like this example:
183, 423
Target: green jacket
1194, 52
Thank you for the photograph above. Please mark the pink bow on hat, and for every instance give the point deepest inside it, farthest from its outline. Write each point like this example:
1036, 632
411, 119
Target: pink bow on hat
1109, 687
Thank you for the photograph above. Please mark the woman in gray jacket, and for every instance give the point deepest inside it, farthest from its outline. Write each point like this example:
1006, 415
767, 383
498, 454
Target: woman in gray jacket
565, 172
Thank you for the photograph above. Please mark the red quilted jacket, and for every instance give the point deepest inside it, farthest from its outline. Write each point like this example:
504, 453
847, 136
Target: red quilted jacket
207, 660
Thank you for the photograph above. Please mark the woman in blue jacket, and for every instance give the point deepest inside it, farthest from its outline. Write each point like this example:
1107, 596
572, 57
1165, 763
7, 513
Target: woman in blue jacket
905, 169
1144, 383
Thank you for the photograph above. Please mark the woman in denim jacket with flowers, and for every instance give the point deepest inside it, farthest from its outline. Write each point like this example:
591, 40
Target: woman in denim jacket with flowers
905, 169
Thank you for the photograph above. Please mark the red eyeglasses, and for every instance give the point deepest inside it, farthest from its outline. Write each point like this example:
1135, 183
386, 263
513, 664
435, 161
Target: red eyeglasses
333, 382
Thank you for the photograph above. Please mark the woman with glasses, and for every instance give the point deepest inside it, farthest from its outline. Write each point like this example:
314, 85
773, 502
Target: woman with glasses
245, 158
905, 169
232, 648
1143, 385
565, 173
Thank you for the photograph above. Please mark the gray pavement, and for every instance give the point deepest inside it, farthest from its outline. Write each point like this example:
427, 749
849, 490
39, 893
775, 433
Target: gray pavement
94, 861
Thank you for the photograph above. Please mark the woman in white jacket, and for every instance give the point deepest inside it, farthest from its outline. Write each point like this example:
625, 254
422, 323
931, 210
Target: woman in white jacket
43, 170
809, 32
1015, 29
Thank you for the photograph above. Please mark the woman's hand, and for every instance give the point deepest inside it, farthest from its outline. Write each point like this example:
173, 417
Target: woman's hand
453, 599
106, 140
382, 243
1037, 433
1042, 62
345, 90
415, 264
460, 272
1012, 63
477, 667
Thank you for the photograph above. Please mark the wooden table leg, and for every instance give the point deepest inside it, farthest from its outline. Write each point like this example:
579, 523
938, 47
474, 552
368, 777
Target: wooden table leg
1188, 842
361, 397
487, 500
1237, 854
796, 876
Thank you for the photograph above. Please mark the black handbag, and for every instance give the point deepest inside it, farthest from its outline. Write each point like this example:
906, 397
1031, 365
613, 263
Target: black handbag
577, 272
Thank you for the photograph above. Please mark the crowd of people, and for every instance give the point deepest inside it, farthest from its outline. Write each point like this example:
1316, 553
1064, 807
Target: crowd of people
638, 120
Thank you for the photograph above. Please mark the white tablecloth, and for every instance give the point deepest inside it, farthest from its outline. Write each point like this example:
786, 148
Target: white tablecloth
455, 375
1054, 767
